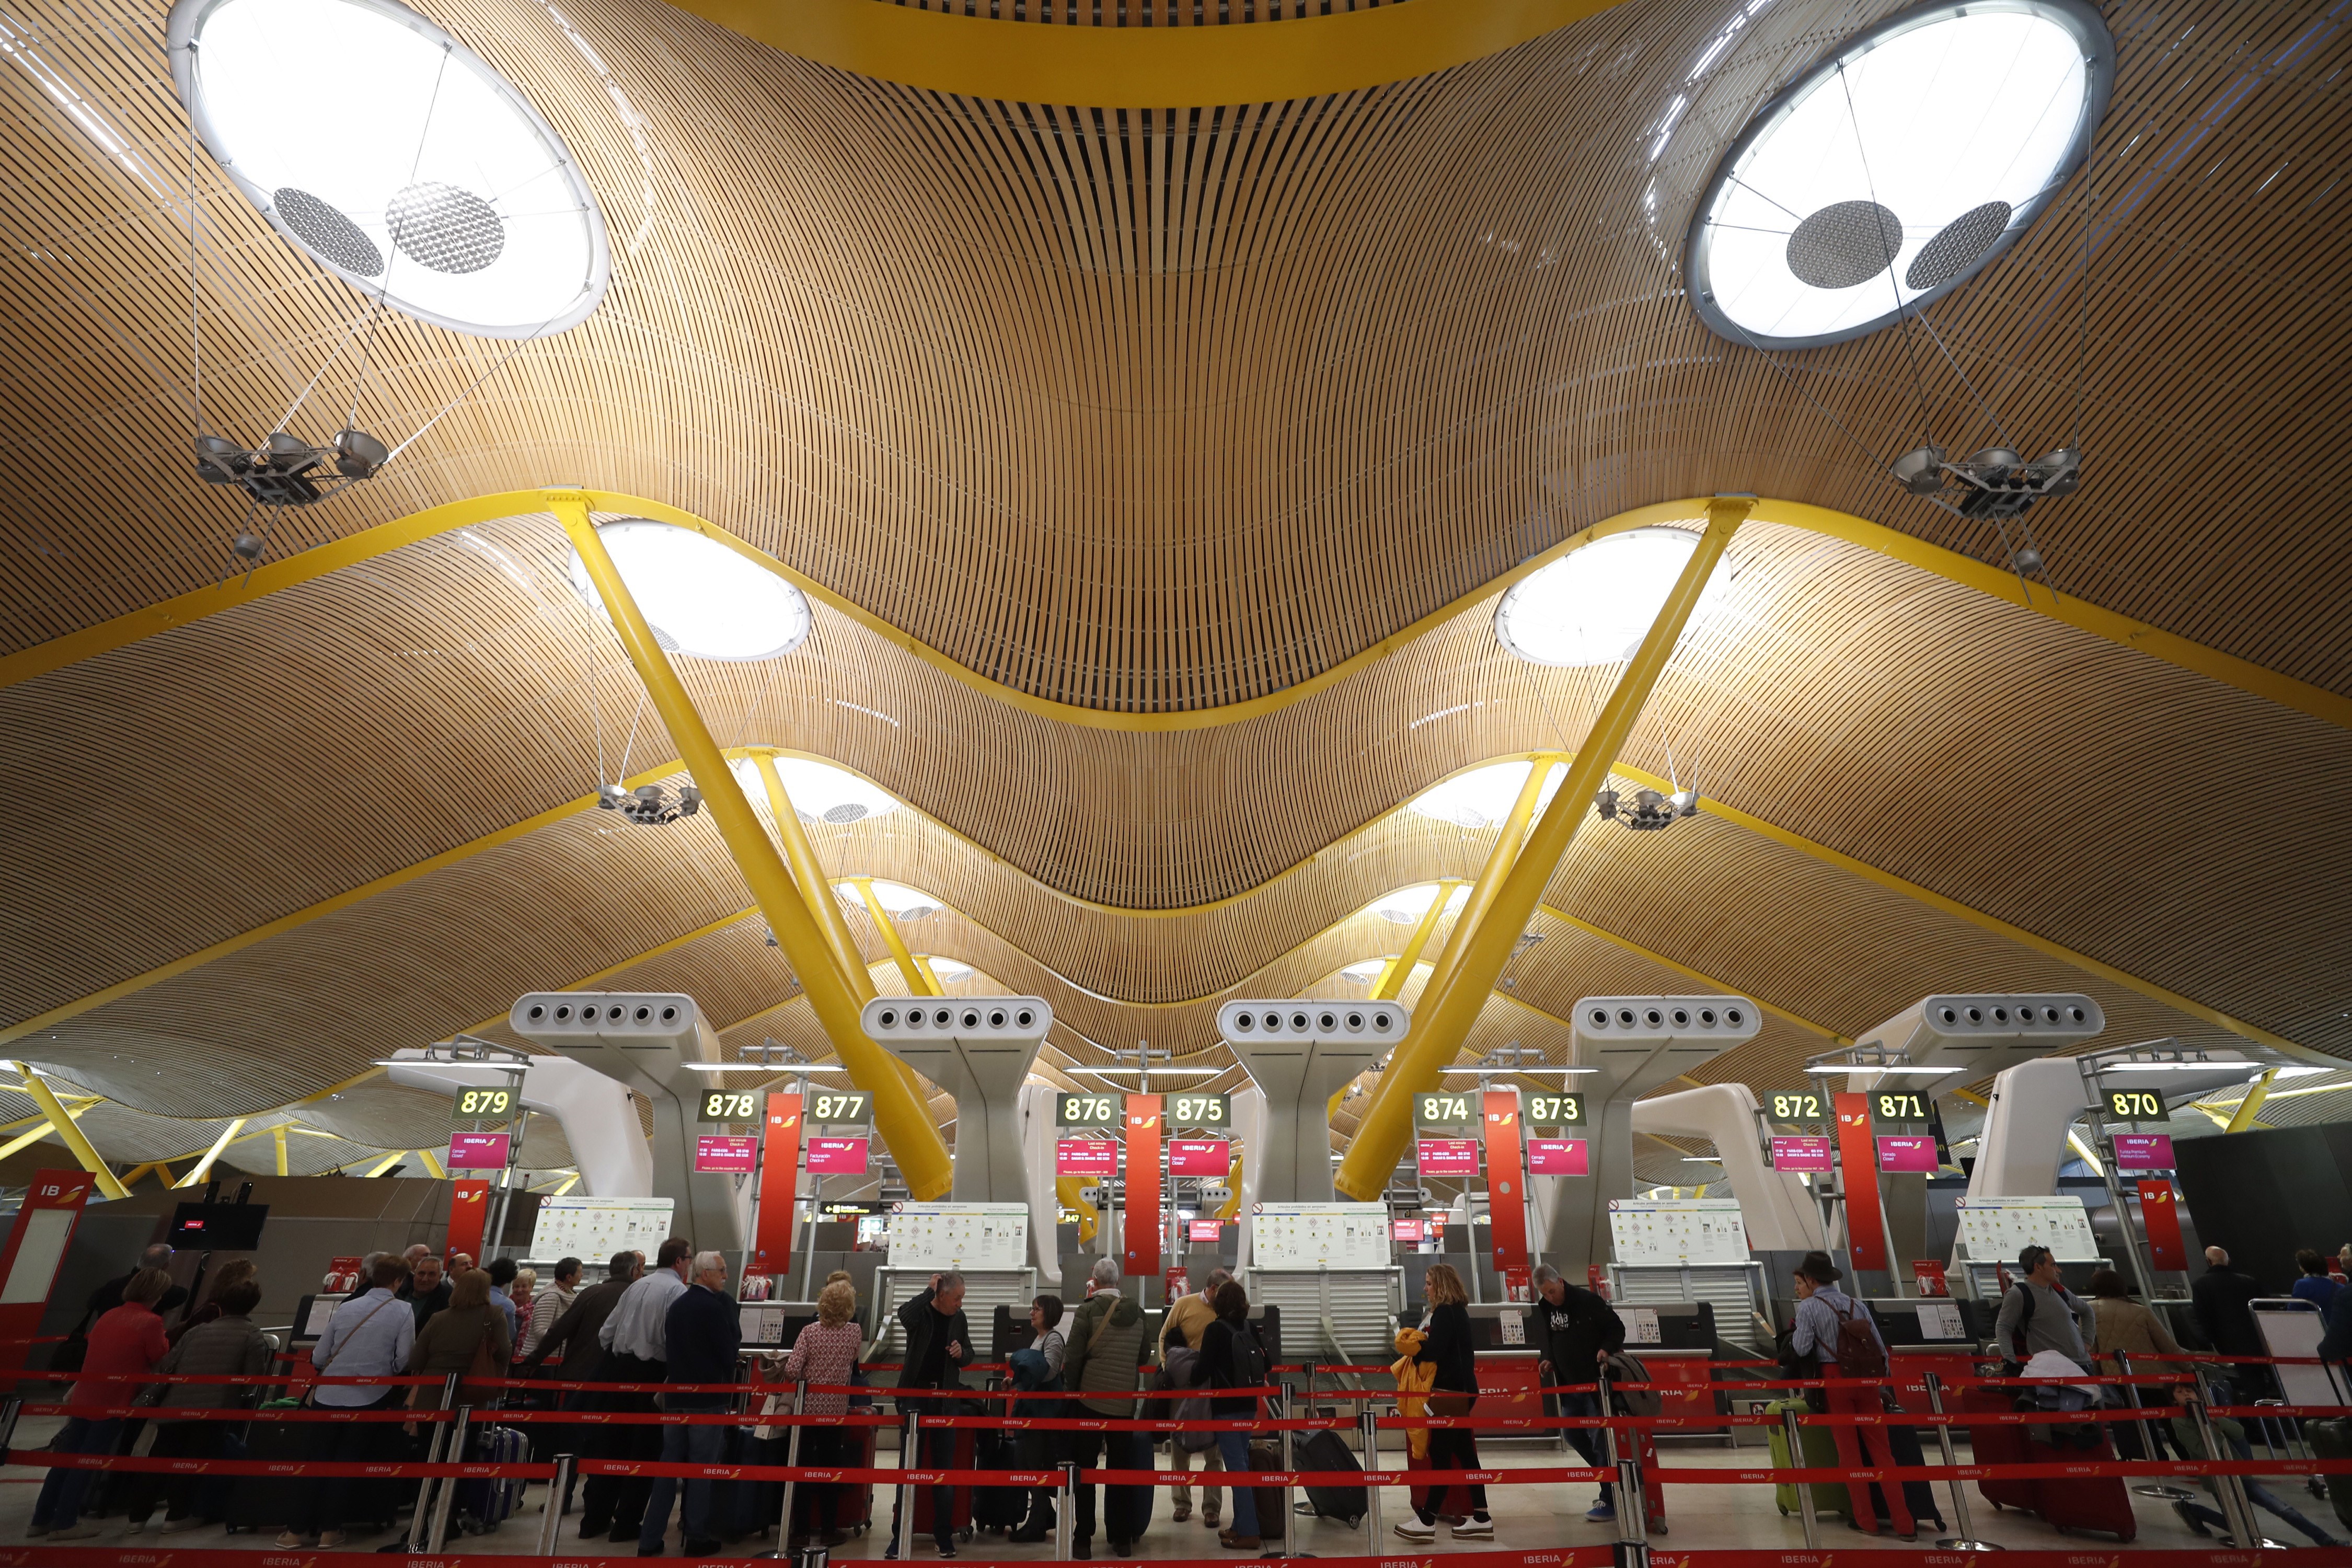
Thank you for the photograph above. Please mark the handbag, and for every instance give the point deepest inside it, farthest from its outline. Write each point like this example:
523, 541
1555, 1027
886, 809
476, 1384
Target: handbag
309, 1395
1442, 1403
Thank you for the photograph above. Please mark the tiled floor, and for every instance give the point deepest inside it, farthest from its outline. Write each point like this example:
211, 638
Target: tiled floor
1525, 1517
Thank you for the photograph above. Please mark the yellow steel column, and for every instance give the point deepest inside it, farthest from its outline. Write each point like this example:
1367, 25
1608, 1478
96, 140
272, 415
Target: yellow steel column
388, 1162
25, 1139
1443, 1020
2256, 1092
931, 975
432, 1164
899, 1116
277, 1136
1399, 970
809, 872
203, 1167
918, 982
38, 1086
1482, 894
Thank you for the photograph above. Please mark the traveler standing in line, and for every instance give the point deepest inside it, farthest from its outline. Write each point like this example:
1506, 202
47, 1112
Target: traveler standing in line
939, 1347
230, 1273
2039, 1313
1574, 1332
701, 1336
825, 1353
468, 1336
128, 1339
428, 1291
108, 1296
1186, 1322
2316, 1285
1104, 1359
2120, 1323
2218, 1298
550, 1304
1838, 1333
369, 1336
635, 1342
227, 1345
503, 1273
1451, 1350
1235, 1359
1037, 1369
572, 1342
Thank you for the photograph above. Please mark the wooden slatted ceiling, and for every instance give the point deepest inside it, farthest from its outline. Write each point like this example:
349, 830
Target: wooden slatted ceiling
1137, 413
385, 714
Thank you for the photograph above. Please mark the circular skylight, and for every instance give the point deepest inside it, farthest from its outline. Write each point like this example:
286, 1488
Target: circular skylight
1407, 905
822, 792
394, 155
700, 597
1895, 170
1482, 797
1593, 605
899, 901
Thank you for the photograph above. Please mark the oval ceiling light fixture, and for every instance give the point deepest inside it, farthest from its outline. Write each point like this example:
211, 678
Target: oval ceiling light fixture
1482, 797
820, 793
899, 901
1407, 905
397, 157
700, 597
1893, 171
1593, 605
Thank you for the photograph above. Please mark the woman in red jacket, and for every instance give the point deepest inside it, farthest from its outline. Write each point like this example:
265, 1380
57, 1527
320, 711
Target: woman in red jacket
128, 1340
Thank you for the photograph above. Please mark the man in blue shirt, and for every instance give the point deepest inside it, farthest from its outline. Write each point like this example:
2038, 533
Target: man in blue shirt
369, 1336
702, 1333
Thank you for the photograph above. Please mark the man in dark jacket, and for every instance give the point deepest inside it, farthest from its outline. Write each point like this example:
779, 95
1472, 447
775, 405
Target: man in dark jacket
703, 1334
2219, 1299
1572, 1330
428, 1291
574, 1335
939, 1346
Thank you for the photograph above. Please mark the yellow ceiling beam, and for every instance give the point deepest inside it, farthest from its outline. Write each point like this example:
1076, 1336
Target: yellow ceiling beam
63, 1122
292, 571
431, 1164
1397, 971
204, 1167
2256, 1093
808, 872
25, 1140
1144, 68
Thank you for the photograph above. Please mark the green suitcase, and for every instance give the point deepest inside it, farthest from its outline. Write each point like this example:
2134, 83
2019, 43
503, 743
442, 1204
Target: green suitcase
1821, 1453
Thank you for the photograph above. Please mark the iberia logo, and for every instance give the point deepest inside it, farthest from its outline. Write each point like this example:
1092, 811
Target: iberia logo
790, 1118
473, 1197
1143, 1121
1502, 1118
2157, 1195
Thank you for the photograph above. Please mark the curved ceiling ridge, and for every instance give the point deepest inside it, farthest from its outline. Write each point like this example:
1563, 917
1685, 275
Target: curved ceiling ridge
1995, 581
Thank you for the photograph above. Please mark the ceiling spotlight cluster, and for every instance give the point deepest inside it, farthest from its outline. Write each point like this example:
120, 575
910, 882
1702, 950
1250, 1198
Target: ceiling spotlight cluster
649, 805
1649, 811
1993, 482
286, 470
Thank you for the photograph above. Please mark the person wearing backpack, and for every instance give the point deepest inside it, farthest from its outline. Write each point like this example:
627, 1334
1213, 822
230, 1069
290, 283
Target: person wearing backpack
1835, 1333
1231, 1352
2039, 1314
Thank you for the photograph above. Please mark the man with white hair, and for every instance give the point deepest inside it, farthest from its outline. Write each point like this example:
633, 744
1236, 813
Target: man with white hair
1104, 1361
702, 1334
2217, 1300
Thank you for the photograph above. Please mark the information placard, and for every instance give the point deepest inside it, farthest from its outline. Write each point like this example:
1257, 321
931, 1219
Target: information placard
1677, 1230
1206, 1111
959, 1236
1200, 1157
478, 1151
1558, 1157
1999, 1229
1907, 1152
1319, 1235
2143, 1152
837, 1156
1447, 1156
1799, 1153
719, 1155
1211, 1231
1086, 1157
595, 1228
1799, 1105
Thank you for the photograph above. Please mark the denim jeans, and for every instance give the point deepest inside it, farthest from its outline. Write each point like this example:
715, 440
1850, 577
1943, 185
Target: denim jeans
705, 1444
1586, 1440
1234, 1448
59, 1504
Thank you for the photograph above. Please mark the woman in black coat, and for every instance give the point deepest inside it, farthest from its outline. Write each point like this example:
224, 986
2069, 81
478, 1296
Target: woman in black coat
1447, 1345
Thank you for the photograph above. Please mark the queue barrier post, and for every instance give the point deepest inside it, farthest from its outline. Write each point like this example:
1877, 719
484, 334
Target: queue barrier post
551, 1523
1062, 1520
1966, 1540
448, 1497
1805, 1489
792, 1458
1282, 1412
1369, 1426
2235, 1507
421, 1518
2148, 1437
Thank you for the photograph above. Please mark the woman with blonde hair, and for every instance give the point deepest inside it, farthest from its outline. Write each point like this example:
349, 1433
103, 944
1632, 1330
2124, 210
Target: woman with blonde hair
467, 1336
825, 1353
1447, 1348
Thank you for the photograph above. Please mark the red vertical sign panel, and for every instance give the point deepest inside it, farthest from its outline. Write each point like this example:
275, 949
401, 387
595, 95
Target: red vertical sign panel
2161, 1220
779, 1172
469, 1211
53, 1206
1865, 1222
1507, 1180
1142, 1227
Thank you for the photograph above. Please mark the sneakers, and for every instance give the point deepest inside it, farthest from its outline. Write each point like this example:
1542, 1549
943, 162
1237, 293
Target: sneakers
1413, 1530
289, 1538
331, 1539
85, 1530
1601, 1513
175, 1526
1474, 1530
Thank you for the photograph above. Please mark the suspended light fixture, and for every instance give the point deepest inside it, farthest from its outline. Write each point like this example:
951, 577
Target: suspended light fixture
649, 805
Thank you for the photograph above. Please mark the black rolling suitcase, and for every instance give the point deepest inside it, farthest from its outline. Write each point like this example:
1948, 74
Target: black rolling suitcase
1326, 1451
1127, 1511
999, 1510
257, 1502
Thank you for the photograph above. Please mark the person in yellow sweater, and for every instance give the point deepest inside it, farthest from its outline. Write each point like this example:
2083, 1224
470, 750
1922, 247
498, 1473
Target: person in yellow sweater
1184, 1324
